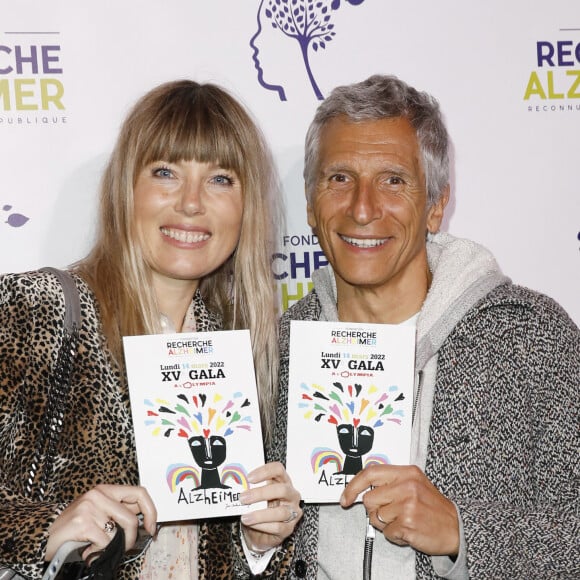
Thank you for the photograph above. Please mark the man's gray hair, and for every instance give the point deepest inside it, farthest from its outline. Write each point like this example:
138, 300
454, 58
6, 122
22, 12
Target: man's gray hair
384, 97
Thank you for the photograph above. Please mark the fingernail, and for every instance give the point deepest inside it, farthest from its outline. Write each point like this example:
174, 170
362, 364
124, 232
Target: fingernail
246, 497
247, 519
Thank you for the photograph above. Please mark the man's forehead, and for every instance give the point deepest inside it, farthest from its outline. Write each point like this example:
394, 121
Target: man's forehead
392, 136
384, 129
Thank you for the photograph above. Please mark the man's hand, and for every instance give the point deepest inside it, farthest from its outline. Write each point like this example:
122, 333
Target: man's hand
407, 508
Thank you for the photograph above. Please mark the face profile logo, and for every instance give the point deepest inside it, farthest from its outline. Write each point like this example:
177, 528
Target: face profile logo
308, 22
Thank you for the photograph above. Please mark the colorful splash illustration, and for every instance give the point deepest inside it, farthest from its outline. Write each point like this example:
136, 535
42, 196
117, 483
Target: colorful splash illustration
309, 22
15, 220
355, 412
205, 423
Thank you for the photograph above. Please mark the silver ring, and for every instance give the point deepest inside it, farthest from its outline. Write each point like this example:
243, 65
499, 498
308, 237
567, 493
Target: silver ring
110, 527
293, 515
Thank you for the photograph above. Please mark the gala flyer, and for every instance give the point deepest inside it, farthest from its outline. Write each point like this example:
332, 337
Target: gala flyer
196, 419
350, 396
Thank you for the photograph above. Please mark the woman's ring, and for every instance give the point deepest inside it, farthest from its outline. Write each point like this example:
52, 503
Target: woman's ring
110, 527
293, 515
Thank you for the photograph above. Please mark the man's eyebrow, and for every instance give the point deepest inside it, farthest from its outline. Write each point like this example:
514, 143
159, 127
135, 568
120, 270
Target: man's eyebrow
334, 167
397, 170
387, 167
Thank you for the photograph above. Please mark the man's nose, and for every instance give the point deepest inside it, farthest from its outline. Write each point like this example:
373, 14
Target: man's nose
364, 206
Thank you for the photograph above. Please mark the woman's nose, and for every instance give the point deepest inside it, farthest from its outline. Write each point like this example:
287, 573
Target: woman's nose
190, 201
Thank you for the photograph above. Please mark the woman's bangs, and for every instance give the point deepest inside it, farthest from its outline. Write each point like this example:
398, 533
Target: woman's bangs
197, 135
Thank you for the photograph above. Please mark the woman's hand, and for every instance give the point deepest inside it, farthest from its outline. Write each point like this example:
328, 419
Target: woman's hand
87, 518
268, 528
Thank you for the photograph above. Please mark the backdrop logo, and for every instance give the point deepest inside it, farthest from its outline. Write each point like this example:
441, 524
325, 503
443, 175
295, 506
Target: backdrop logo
13, 219
554, 85
294, 265
308, 22
31, 85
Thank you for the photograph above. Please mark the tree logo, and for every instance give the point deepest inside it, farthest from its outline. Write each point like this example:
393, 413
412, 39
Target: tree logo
308, 22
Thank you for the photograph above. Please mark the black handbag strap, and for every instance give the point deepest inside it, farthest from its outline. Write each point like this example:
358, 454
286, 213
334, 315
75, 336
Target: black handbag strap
59, 386
72, 314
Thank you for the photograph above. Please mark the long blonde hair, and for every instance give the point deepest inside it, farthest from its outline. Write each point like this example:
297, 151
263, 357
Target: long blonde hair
185, 120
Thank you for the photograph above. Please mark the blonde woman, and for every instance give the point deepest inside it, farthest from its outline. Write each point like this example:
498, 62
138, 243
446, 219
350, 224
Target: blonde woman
187, 222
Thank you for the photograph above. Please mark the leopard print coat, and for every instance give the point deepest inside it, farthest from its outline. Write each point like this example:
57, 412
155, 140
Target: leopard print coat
97, 442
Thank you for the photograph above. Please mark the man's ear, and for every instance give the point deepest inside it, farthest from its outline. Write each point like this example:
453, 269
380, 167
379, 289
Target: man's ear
436, 211
311, 218
310, 213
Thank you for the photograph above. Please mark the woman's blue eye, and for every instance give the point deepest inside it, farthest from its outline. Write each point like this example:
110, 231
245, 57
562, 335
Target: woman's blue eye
223, 180
162, 172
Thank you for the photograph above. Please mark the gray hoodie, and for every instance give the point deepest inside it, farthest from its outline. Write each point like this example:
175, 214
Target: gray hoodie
463, 273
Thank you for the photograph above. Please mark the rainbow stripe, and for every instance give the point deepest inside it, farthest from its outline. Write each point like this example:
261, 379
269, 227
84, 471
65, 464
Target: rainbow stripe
236, 473
178, 472
322, 456
377, 459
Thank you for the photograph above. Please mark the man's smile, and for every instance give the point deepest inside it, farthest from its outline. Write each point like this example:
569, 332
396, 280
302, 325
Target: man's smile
364, 242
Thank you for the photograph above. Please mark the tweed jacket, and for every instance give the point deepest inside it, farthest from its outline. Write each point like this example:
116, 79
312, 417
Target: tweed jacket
503, 437
97, 442
503, 441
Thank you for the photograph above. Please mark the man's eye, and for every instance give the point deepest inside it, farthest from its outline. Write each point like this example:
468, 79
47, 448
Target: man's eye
395, 180
338, 178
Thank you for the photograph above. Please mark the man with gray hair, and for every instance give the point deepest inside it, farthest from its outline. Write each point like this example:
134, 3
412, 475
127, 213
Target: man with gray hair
492, 489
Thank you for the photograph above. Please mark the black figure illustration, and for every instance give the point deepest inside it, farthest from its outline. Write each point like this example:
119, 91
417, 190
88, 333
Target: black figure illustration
213, 419
354, 442
209, 453
356, 411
